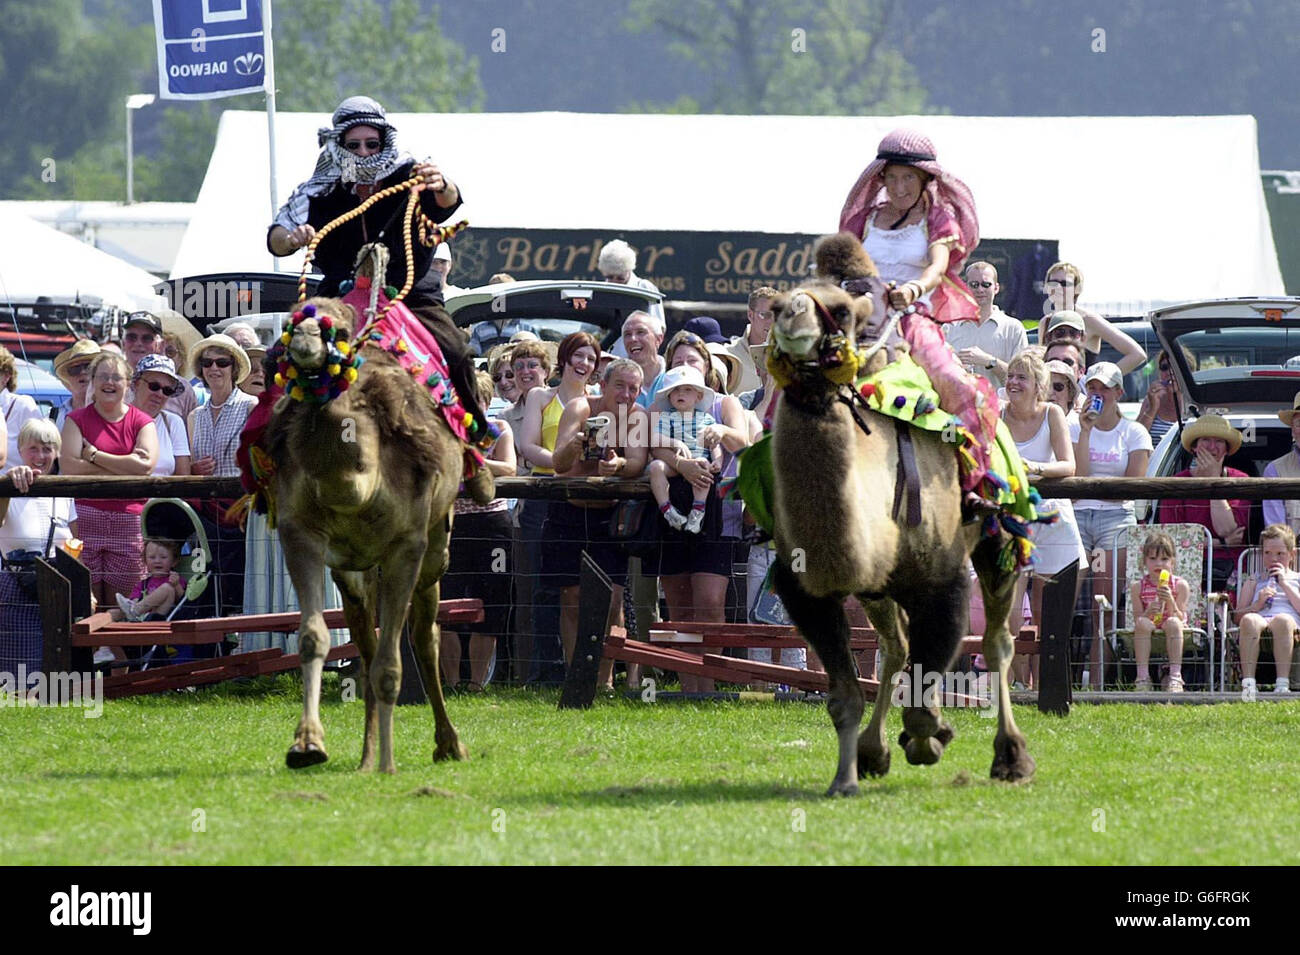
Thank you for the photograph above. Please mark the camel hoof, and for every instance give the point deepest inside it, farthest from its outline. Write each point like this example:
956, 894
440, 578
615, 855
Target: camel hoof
838, 788
1012, 763
300, 756
874, 764
924, 751
456, 751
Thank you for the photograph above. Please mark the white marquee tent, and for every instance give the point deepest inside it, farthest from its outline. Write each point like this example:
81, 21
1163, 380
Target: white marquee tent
1154, 210
37, 260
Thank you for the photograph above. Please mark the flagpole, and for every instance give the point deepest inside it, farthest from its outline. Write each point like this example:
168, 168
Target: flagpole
269, 53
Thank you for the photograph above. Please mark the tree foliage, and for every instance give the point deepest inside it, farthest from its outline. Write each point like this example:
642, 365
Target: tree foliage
66, 75
64, 80
787, 56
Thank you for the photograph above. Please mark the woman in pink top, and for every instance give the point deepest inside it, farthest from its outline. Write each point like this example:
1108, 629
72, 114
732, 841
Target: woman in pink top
110, 437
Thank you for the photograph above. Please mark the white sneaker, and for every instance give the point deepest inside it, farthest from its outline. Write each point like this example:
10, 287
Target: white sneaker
127, 606
695, 522
1249, 693
1283, 685
675, 518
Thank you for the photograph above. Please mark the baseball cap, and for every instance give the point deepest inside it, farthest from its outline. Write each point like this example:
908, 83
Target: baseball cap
1106, 372
1065, 319
144, 318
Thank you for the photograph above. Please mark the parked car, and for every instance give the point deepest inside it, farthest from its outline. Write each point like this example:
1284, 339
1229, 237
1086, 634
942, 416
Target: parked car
47, 391
549, 309
1239, 358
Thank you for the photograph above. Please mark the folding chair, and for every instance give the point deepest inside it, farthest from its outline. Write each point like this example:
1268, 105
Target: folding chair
1193, 557
1248, 567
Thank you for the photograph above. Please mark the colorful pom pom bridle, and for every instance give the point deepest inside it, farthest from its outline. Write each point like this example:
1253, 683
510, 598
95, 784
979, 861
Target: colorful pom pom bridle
335, 375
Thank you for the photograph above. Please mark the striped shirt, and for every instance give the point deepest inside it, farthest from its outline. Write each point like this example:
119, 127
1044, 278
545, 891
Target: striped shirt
685, 427
220, 440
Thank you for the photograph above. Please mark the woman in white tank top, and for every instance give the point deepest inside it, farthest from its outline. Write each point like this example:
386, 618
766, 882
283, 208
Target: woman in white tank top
1043, 439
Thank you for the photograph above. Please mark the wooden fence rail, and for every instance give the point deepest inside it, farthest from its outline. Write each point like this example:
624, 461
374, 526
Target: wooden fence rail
596, 489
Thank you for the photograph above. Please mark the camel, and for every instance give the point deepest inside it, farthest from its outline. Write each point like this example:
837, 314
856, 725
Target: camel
837, 535
364, 483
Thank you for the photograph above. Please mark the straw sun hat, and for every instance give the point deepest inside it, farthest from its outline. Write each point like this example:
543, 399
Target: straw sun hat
1212, 426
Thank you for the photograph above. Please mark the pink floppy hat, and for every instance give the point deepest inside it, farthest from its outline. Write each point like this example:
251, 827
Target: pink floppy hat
908, 147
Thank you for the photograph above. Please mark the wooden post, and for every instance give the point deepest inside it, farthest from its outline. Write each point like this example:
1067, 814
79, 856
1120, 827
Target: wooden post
55, 592
1054, 693
594, 593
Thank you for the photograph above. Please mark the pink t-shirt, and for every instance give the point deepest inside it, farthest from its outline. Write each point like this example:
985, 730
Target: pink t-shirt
111, 437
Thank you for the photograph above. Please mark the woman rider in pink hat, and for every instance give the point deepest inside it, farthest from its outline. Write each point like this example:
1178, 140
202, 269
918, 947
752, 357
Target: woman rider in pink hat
918, 224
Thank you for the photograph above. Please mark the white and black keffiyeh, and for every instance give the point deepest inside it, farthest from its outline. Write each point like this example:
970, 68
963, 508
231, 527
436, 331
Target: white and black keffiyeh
336, 165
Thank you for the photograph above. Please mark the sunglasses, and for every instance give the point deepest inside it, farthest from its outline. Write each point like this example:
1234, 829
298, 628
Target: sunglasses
508, 375
352, 145
167, 390
1057, 283
219, 362
1064, 361
979, 284
1059, 386
76, 371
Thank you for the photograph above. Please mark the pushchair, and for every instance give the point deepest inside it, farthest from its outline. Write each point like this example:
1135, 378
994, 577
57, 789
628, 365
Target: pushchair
170, 518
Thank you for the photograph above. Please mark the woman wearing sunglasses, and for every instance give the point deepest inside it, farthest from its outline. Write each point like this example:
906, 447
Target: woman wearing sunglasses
214, 430
155, 382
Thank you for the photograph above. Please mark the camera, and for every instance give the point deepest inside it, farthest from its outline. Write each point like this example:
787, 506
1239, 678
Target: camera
597, 436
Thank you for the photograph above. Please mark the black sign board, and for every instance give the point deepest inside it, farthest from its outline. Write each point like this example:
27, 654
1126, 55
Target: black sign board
710, 266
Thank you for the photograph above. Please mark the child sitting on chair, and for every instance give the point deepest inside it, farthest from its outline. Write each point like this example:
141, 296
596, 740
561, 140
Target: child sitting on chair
1159, 601
684, 392
1270, 604
157, 593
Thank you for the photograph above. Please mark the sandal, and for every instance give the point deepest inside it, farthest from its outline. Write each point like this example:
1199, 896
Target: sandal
1141, 686
1175, 684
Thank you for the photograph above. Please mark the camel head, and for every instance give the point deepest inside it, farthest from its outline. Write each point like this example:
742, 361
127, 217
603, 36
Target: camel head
813, 318
316, 358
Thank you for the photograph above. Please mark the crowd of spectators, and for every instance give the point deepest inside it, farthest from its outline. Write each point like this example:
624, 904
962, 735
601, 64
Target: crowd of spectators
574, 409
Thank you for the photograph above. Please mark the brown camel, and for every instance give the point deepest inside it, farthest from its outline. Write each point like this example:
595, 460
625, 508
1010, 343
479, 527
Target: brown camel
837, 534
364, 483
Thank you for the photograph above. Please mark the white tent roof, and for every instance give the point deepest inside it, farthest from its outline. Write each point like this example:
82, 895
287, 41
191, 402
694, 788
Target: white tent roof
37, 260
1123, 195
146, 234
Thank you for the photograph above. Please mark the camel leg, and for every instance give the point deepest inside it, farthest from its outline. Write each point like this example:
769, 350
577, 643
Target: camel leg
357, 592
304, 555
396, 583
424, 634
1011, 759
937, 621
823, 624
873, 746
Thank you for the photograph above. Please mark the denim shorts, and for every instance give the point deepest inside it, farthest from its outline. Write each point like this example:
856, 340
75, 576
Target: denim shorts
1099, 526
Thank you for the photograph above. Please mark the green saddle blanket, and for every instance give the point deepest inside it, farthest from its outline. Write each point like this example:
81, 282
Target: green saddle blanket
903, 390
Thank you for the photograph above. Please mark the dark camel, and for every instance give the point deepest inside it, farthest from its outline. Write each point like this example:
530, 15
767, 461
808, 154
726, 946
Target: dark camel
364, 483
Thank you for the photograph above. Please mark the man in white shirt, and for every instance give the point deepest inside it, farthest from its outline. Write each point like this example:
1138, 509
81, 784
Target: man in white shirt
985, 346
442, 265
760, 317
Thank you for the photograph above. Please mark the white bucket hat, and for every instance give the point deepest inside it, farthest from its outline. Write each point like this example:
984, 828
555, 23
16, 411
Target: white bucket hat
684, 375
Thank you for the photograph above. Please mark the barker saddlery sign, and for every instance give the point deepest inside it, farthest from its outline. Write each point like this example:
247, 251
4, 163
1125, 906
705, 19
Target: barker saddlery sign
210, 48
708, 266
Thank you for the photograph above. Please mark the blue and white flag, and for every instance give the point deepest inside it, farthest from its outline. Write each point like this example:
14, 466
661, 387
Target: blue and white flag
210, 48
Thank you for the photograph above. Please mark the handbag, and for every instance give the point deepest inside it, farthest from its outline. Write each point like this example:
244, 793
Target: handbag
22, 565
632, 523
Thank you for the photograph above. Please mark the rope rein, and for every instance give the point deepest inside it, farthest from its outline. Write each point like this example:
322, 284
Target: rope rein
414, 222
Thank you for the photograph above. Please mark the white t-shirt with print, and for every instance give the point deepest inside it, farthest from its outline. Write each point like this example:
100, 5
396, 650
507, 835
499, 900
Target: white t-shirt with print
1108, 454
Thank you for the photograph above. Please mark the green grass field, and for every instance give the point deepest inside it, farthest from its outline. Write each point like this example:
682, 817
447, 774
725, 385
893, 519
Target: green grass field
630, 782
